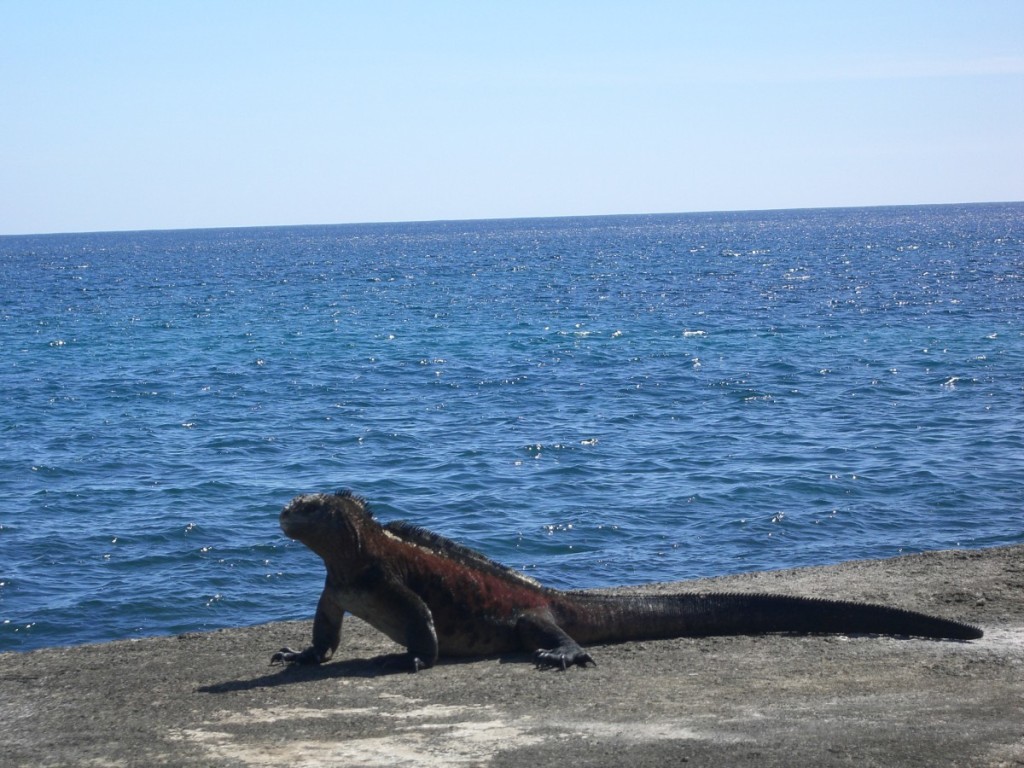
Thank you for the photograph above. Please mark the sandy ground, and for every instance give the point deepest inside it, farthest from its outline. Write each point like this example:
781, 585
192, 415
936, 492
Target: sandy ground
212, 700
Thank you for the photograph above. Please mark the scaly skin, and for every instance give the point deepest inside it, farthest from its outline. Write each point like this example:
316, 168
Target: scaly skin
438, 598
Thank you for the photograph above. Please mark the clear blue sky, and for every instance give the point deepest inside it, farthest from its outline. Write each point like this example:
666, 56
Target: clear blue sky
143, 115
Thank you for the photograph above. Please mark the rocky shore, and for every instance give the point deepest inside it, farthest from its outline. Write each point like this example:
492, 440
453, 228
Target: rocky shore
211, 699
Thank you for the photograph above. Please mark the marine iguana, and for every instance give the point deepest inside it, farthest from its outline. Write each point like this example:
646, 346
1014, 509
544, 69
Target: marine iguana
436, 597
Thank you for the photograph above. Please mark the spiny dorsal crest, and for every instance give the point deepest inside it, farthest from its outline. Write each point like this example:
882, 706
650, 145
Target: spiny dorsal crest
361, 504
421, 537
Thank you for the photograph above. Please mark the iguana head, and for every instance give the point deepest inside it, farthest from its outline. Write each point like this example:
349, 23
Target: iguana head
326, 522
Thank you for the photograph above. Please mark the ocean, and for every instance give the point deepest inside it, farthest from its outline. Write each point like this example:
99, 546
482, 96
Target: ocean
596, 401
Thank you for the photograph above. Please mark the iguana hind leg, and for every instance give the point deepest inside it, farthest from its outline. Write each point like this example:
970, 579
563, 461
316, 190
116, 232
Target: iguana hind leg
551, 645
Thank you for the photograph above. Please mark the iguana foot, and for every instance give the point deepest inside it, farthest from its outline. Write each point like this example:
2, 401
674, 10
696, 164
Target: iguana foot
562, 657
405, 662
288, 656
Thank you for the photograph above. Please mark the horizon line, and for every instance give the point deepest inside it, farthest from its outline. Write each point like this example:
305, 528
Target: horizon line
552, 217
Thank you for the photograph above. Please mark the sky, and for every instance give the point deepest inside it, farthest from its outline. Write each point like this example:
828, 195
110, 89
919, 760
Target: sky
188, 114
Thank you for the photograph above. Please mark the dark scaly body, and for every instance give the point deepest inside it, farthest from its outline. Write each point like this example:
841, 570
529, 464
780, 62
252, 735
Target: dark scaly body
438, 598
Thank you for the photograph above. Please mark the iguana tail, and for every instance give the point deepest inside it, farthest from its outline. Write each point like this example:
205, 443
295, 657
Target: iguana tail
607, 618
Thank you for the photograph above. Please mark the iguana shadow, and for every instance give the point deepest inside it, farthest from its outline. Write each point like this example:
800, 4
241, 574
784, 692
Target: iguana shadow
378, 666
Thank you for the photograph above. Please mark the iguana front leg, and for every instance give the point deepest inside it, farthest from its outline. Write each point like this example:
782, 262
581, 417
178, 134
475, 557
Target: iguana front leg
551, 645
400, 613
326, 633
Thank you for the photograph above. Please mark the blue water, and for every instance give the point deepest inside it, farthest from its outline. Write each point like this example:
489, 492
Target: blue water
595, 400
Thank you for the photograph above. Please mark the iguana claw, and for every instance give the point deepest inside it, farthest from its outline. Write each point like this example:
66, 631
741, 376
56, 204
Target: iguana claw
289, 656
557, 657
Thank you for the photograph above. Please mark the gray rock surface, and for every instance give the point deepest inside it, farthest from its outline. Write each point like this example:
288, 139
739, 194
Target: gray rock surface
212, 700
